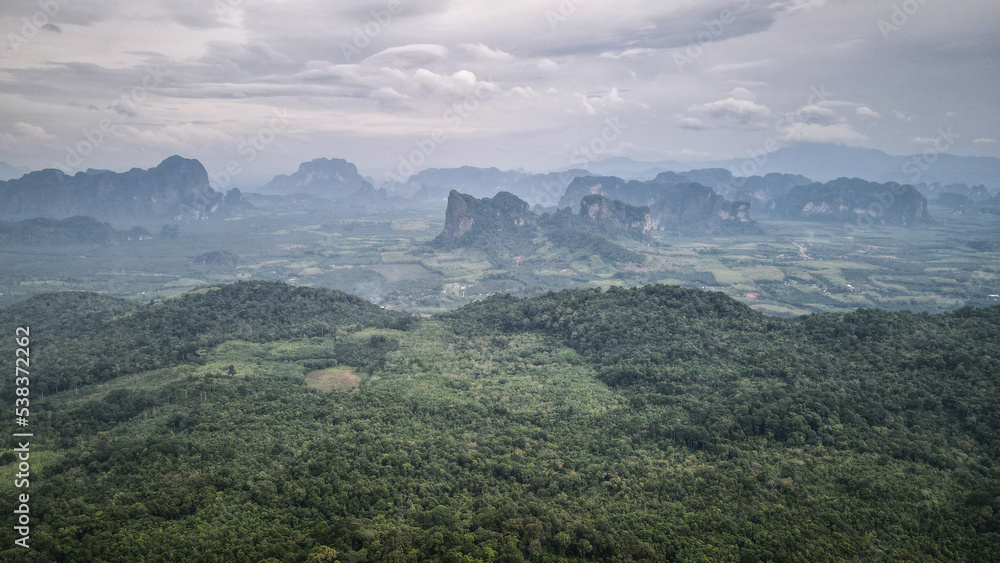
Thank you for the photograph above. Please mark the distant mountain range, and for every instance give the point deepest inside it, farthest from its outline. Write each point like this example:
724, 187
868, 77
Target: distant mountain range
676, 204
699, 201
536, 189
852, 200
334, 179
176, 189
680, 205
506, 228
74, 230
825, 162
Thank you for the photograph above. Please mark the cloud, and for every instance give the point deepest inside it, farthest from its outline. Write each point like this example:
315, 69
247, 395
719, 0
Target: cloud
686, 154
485, 53
52, 27
865, 111
224, 68
690, 123
179, 138
32, 132
228, 60
197, 14
798, 5
985, 141
841, 134
408, 56
547, 65
75, 13
817, 115
526, 93
592, 104
389, 97
742, 93
735, 111
462, 83
749, 65
628, 53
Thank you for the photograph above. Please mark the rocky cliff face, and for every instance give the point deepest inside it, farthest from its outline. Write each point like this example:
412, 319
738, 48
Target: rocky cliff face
693, 209
763, 191
334, 179
508, 231
675, 203
608, 186
615, 218
176, 189
854, 200
760, 191
499, 217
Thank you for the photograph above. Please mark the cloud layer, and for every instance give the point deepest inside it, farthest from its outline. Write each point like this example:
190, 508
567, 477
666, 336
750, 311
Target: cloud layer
524, 83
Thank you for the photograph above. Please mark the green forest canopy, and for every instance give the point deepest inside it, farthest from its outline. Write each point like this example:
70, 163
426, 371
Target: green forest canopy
653, 423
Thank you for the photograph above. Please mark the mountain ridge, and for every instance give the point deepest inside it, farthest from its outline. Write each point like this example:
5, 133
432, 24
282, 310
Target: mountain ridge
176, 189
825, 162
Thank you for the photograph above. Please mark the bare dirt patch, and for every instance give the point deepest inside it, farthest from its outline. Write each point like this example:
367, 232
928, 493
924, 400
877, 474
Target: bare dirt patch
330, 380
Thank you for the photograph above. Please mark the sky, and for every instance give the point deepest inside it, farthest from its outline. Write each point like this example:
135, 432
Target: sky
252, 88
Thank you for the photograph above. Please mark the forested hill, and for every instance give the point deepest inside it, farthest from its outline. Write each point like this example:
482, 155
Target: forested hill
897, 382
87, 338
263, 422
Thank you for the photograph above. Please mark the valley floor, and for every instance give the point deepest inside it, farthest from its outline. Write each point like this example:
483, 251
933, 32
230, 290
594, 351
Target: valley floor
791, 268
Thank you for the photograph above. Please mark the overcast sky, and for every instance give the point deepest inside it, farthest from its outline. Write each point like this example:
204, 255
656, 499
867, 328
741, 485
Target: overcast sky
264, 85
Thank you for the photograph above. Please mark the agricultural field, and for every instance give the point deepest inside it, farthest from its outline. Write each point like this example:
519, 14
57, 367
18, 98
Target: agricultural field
790, 268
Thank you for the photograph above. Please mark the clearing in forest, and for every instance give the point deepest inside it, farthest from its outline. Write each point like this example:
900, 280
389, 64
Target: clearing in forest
332, 380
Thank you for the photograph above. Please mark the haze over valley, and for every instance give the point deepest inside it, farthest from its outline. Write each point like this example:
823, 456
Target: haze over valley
387, 280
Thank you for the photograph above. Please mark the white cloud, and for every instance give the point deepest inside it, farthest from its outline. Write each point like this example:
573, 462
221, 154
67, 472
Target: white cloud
865, 111
592, 104
526, 93
729, 67
817, 115
797, 5
391, 97
690, 123
461, 83
33, 132
547, 65
841, 134
628, 53
183, 138
742, 93
644, 153
985, 141
483, 52
734, 110
403, 56
434, 52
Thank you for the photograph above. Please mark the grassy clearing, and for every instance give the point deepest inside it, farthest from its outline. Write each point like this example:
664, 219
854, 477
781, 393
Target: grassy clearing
330, 380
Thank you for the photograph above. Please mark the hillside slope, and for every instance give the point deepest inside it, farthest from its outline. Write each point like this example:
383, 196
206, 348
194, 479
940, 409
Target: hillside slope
646, 424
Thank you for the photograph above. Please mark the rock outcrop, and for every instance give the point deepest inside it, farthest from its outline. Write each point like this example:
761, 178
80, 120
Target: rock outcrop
850, 200
675, 203
615, 218
177, 189
503, 216
333, 178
